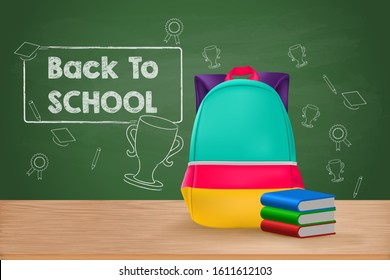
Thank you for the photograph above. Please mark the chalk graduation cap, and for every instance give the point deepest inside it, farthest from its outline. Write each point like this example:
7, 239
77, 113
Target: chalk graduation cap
353, 100
27, 51
62, 136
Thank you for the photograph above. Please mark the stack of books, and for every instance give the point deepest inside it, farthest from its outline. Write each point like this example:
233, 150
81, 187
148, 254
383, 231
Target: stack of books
299, 213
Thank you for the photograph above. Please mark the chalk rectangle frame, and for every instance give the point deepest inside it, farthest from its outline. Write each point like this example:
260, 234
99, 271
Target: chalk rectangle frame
111, 48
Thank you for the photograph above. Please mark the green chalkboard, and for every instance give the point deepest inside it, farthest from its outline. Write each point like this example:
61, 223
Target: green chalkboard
338, 94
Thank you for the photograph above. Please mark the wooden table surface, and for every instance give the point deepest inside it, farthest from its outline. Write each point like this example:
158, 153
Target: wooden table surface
163, 230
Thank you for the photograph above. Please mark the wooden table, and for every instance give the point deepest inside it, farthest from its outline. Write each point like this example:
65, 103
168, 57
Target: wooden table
163, 230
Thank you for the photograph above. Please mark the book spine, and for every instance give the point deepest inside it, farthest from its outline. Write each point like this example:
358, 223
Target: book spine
277, 202
275, 214
280, 228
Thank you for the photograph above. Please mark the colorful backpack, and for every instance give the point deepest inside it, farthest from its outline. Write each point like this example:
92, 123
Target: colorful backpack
242, 146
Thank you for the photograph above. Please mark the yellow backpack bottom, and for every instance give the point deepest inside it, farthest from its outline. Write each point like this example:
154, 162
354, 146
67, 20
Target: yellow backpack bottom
225, 208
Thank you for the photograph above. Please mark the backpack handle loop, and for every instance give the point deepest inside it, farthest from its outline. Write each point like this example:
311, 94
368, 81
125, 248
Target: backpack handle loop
241, 71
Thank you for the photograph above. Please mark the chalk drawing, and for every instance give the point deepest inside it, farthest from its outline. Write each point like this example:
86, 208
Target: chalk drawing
27, 51
297, 53
54, 95
153, 140
338, 133
95, 158
212, 54
34, 110
39, 163
353, 100
173, 27
62, 136
329, 83
310, 113
357, 187
335, 167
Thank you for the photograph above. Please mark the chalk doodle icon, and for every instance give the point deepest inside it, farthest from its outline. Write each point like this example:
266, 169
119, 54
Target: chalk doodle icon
357, 187
338, 133
297, 53
310, 113
39, 163
153, 140
173, 27
27, 51
353, 100
335, 167
62, 136
212, 54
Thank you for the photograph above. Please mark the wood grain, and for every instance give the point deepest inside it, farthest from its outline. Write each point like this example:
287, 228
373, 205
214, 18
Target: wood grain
163, 230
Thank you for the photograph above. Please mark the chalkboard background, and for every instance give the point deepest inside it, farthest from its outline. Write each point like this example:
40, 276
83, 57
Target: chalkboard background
345, 41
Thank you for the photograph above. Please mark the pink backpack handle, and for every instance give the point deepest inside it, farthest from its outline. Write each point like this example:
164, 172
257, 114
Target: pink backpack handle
242, 71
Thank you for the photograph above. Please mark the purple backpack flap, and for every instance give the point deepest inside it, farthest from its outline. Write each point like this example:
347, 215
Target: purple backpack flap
205, 82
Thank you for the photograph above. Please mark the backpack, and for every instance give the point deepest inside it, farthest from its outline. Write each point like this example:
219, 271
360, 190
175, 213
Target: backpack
242, 146
205, 82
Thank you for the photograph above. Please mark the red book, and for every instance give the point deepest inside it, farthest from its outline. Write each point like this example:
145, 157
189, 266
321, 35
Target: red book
297, 231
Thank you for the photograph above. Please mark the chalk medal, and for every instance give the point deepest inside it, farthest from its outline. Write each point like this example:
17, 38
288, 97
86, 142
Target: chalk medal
39, 163
174, 27
338, 133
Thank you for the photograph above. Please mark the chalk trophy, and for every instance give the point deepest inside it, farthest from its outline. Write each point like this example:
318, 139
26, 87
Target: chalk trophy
153, 140
336, 166
310, 113
297, 53
211, 54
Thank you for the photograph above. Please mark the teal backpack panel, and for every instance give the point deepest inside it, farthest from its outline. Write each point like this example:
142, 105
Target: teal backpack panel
242, 120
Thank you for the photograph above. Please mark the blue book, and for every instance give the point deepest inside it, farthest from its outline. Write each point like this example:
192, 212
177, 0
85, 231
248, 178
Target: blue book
298, 200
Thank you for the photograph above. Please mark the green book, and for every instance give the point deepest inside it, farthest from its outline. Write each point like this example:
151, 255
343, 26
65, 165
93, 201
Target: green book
298, 218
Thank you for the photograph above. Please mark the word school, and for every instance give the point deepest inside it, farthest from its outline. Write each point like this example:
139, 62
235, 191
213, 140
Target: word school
100, 70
